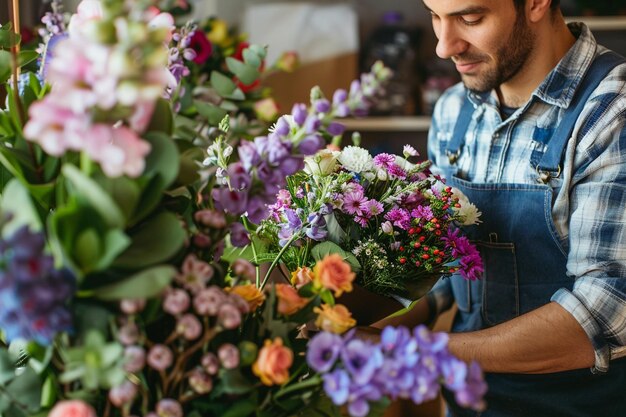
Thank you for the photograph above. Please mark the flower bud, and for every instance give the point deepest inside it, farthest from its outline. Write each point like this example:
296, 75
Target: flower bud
169, 408
229, 356
160, 357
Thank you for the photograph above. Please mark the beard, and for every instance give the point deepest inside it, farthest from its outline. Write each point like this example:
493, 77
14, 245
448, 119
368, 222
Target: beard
509, 59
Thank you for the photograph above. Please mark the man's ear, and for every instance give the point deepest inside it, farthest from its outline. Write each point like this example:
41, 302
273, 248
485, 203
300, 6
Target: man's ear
536, 10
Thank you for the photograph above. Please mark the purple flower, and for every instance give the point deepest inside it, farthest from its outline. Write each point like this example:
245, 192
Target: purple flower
399, 217
311, 144
384, 160
426, 388
282, 127
373, 208
359, 398
248, 154
335, 128
321, 105
323, 351
430, 341
337, 386
312, 124
340, 96
422, 212
239, 235
361, 359
396, 172
472, 392
299, 112
233, 202
354, 202
33, 294
160, 357
454, 372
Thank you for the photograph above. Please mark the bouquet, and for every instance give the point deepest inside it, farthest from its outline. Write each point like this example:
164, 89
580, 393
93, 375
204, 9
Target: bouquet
123, 284
391, 219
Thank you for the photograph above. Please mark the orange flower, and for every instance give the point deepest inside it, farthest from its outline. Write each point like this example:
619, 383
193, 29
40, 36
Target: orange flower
337, 319
288, 299
288, 61
301, 277
333, 273
273, 363
250, 293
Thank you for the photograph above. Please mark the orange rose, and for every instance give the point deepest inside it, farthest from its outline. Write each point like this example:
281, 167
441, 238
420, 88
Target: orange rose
288, 299
250, 293
333, 273
273, 363
337, 319
301, 277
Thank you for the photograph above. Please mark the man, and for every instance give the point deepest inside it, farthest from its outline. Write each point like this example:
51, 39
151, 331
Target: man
535, 136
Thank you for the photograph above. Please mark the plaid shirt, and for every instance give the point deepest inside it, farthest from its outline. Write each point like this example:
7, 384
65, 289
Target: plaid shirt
589, 205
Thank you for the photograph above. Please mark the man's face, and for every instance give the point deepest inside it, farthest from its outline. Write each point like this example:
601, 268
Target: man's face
488, 40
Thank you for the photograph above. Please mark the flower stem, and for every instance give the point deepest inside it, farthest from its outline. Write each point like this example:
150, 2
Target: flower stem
280, 255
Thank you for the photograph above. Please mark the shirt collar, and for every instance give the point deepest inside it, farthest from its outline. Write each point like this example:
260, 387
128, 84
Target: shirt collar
560, 84
559, 87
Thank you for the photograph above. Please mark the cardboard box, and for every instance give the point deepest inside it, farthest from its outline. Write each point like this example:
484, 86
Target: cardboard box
329, 74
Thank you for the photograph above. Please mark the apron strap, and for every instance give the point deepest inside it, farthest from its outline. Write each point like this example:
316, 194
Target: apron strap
549, 163
458, 138
600, 67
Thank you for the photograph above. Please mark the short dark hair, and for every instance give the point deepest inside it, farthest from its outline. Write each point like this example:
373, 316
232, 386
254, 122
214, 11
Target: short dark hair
520, 4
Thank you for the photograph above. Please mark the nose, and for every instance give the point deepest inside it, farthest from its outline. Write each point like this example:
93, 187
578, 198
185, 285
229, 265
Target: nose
449, 42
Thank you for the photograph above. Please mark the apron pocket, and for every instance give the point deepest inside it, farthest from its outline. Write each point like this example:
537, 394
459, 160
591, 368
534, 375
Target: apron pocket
501, 285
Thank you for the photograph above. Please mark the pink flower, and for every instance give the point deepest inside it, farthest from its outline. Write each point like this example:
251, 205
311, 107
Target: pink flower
134, 358
169, 408
210, 363
160, 357
243, 268
163, 21
72, 408
229, 355
189, 327
86, 11
176, 301
200, 381
229, 316
132, 305
123, 394
354, 202
118, 150
266, 109
207, 302
194, 274
211, 218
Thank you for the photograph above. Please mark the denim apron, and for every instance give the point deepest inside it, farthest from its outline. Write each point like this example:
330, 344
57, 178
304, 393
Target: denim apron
525, 264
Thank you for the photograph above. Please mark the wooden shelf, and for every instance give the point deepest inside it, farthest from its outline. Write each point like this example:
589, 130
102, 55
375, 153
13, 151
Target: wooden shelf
600, 22
389, 124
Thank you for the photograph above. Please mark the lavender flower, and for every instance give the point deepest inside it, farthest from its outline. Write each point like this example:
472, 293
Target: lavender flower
323, 351
403, 365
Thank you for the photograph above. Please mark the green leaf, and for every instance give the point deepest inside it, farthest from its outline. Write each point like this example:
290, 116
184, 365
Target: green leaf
115, 242
252, 58
145, 284
163, 160
5, 66
26, 57
153, 241
246, 73
17, 200
7, 367
326, 248
335, 233
162, 120
8, 38
233, 382
26, 388
87, 249
95, 195
212, 113
125, 192
222, 84
241, 407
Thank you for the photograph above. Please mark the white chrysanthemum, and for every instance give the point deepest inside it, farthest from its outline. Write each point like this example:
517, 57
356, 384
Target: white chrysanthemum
356, 159
468, 212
